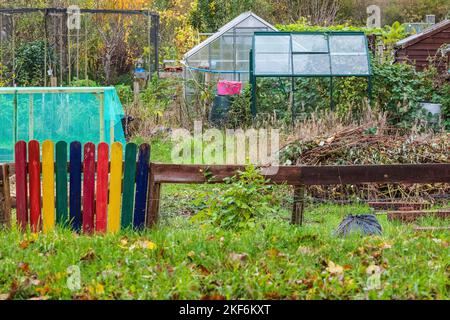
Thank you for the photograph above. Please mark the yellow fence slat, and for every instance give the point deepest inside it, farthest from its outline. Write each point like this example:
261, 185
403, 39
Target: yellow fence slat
115, 188
48, 186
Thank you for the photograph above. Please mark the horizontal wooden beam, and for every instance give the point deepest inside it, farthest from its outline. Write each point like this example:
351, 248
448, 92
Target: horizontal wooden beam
174, 173
431, 228
399, 205
305, 175
411, 216
310, 175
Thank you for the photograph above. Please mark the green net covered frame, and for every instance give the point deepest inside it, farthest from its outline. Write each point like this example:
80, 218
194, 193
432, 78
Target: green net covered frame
59, 114
309, 54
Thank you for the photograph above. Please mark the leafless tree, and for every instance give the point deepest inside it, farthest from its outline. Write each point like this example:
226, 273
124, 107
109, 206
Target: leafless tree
113, 37
318, 12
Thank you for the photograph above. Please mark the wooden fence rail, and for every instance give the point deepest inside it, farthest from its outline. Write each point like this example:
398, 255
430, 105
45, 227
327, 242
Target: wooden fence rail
108, 195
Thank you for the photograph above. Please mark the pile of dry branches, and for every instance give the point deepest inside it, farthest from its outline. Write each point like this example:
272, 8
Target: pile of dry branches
372, 144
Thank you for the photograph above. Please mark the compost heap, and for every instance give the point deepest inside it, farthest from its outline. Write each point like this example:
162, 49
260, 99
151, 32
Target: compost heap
366, 145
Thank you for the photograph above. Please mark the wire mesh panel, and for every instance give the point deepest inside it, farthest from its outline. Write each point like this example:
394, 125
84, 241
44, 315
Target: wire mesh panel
60, 114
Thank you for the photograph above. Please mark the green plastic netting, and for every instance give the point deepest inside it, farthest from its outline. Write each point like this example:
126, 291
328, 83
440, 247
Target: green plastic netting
59, 114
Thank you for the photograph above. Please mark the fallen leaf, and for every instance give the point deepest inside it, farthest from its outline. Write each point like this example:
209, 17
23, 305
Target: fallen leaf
4, 296
304, 250
240, 257
203, 270
24, 244
191, 254
13, 290
147, 245
89, 256
334, 268
213, 297
272, 296
39, 298
43, 290
24, 267
386, 246
373, 269
347, 267
99, 289
273, 253
376, 254
34, 281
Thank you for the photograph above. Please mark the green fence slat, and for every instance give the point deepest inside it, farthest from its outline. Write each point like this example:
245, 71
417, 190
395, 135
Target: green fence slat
129, 179
62, 215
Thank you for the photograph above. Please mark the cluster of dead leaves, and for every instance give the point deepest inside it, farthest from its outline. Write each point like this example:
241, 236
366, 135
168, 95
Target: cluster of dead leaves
139, 244
27, 285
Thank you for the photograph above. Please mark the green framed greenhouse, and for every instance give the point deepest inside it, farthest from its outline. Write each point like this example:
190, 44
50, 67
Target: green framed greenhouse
309, 54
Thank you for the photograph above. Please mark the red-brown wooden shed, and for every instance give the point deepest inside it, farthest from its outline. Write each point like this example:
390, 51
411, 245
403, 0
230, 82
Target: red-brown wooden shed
433, 43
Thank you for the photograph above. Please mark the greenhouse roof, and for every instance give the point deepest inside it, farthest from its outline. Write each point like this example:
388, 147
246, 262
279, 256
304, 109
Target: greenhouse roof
310, 54
227, 27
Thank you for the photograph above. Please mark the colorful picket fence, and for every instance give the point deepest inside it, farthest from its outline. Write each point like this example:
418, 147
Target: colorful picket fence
97, 190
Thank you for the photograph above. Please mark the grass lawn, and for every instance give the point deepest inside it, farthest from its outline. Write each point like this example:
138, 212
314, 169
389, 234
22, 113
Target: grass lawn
183, 260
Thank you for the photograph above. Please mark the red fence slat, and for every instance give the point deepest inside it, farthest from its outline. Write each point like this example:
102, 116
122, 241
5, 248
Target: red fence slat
34, 169
102, 188
21, 184
88, 187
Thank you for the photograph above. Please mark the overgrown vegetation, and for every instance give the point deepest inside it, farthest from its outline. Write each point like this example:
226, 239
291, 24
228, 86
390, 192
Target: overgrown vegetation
397, 91
244, 200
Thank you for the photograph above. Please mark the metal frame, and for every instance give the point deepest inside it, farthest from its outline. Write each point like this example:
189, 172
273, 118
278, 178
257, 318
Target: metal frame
153, 27
292, 75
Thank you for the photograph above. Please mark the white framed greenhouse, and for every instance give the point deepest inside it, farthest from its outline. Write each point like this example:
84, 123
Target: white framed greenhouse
225, 55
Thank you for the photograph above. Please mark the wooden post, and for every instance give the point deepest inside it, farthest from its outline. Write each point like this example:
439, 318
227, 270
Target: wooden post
111, 131
153, 200
5, 197
136, 90
299, 205
53, 81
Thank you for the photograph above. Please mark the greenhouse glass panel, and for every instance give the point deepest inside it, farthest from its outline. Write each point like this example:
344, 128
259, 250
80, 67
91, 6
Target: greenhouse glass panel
272, 44
348, 44
199, 59
251, 22
309, 43
311, 54
349, 64
273, 63
311, 64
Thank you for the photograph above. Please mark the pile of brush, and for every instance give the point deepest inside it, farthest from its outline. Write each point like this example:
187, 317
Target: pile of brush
365, 145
